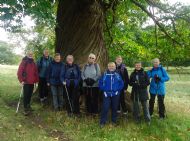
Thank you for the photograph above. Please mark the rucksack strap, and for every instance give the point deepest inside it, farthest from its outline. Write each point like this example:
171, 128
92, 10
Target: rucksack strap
95, 65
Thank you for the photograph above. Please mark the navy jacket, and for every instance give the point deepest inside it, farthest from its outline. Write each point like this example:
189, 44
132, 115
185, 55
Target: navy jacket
54, 72
70, 73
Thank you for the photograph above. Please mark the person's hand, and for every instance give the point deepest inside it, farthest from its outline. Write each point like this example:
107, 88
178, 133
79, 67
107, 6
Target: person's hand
64, 82
125, 91
22, 83
48, 84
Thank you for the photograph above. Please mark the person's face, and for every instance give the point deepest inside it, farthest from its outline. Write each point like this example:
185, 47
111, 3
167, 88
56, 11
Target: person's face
111, 67
91, 59
119, 60
57, 58
30, 55
46, 53
138, 66
70, 60
156, 63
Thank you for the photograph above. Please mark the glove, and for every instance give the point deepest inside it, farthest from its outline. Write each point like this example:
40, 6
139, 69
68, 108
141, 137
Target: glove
90, 81
157, 78
64, 83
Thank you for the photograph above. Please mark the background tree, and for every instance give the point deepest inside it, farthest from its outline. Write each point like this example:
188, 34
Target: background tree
106, 27
7, 56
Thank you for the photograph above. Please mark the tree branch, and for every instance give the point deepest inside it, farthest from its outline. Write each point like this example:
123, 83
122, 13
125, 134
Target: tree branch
155, 21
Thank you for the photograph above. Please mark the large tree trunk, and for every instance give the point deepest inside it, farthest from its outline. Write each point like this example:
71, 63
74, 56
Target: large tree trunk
79, 30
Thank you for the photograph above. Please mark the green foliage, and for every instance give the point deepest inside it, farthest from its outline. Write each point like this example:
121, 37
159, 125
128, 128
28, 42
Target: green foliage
45, 39
125, 31
6, 54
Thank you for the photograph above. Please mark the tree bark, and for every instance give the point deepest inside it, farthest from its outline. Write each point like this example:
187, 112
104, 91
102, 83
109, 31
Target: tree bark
79, 30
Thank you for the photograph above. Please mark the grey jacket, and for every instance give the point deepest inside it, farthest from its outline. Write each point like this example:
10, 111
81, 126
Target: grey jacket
91, 71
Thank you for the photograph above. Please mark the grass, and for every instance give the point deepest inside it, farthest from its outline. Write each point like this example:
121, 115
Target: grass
45, 125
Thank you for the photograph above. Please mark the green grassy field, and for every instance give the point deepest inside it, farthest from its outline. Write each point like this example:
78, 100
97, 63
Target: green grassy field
45, 125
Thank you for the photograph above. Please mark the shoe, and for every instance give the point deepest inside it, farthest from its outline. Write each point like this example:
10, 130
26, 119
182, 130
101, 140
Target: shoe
161, 118
102, 125
114, 124
56, 109
26, 112
30, 109
118, 111
148, 123
125, 113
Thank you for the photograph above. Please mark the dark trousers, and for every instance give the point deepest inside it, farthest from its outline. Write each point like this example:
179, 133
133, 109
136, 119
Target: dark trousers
57, 92
43, 88
161, 105
72, 99
27, 94
91, 99
107, 102
122, 103
136, 110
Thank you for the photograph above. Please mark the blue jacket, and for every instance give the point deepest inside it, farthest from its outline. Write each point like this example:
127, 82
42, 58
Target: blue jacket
158, 88
111, 84
70, 73
54, 72
43, 65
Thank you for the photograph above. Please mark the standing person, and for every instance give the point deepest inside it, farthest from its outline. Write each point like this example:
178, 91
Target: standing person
28, 76
70, 78
111, 84
90, 76
53, 80
122, 70
43, 65
139, 81
158, 77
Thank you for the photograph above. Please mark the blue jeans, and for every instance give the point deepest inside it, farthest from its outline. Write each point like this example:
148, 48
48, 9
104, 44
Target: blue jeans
57, 92
107, 102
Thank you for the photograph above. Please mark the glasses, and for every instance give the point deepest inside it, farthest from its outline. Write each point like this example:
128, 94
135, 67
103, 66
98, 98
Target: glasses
91, 58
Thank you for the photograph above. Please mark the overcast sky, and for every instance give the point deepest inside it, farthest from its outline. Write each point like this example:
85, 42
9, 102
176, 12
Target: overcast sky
29, 23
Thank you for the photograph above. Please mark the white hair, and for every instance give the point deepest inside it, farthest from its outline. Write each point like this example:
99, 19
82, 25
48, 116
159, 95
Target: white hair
92, 55
71, 56
156, 60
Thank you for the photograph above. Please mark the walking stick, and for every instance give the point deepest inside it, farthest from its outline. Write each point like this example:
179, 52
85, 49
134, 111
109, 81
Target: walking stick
68, 98
18, 105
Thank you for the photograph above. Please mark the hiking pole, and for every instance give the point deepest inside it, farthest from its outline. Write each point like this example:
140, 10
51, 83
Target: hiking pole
18, 105
68, 98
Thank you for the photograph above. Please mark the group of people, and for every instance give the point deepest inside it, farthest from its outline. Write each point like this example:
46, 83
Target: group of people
66, 80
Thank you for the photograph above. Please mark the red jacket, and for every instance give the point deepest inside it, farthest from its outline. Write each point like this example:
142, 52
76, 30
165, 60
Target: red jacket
27, 71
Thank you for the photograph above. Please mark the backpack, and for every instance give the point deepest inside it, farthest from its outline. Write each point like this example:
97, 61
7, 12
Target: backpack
123, 67
161, 71
71, 75
41, 61
95, 65
24, 74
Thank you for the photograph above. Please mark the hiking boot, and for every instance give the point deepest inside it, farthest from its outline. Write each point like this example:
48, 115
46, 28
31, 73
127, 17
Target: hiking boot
102, 125
26, 112
56, 110
161, 118
30, 109
118, 111
114, 124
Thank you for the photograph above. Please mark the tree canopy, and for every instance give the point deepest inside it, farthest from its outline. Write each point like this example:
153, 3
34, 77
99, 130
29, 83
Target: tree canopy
125, 31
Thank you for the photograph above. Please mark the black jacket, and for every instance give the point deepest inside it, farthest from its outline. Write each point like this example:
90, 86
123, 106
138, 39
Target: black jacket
122, 70
139, 81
